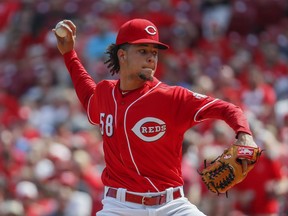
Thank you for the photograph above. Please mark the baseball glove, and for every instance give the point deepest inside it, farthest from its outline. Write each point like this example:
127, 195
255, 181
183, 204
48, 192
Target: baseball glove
226, 170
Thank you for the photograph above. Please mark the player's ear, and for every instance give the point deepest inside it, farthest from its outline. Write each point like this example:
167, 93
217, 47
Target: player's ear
122, 54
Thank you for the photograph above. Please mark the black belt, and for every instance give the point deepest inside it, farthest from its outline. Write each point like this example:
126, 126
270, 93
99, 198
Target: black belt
144, 200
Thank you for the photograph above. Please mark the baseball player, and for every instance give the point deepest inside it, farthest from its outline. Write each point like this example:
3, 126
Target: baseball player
142, 121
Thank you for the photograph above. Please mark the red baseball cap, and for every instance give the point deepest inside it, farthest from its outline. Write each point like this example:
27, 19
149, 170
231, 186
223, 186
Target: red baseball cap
139, 31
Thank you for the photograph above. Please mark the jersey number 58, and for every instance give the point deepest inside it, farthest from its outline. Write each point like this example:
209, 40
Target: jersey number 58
106, 124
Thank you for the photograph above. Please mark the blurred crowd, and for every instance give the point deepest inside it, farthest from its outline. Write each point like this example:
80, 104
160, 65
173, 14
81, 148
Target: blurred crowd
51, 157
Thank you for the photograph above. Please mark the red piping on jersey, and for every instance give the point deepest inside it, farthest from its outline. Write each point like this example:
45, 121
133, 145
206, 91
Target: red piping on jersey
127, 138
208, 104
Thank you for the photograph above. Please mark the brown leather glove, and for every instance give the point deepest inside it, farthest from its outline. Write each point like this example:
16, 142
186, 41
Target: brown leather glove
226, 170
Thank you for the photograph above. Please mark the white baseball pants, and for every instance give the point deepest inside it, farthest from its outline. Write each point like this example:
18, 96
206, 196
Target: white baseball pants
173, 207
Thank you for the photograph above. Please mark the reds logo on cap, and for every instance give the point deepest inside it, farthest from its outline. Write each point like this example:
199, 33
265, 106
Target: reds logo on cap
151, 30
149, 129
139, 31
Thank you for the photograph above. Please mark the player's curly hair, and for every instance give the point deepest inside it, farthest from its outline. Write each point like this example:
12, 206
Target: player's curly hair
113, 62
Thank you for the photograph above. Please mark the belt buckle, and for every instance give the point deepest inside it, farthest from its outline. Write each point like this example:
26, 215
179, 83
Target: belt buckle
143, 200
158, 198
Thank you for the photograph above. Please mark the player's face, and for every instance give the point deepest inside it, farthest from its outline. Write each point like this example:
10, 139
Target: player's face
140, 61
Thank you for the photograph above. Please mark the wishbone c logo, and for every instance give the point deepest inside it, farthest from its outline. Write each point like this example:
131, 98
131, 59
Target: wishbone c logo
149, 129
151, 30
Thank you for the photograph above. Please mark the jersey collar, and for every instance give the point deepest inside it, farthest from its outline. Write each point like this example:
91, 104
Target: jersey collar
148, 85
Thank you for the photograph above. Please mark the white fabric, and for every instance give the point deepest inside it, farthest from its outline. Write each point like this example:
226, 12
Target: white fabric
169, 194
177, 207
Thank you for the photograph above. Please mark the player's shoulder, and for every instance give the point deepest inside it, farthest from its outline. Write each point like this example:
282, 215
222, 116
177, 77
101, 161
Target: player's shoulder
107, 84
172, 88
179, 91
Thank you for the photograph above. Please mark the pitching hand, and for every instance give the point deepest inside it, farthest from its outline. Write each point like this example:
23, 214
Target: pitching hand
66, 44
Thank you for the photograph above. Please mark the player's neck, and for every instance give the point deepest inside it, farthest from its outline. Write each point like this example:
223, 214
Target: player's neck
128, 85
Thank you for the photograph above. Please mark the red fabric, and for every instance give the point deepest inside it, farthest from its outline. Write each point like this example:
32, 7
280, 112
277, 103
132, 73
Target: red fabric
127, 124
264, 171
40, 207
12, 163
269, 95
9, 109
8, 9
217, 47
93, 180
80, 79
139, 31
260, 101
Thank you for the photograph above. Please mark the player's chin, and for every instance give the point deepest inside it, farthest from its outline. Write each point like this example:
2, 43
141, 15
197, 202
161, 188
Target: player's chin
145, 78
146, 75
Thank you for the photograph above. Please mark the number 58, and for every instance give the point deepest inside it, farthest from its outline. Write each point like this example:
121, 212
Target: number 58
106, 124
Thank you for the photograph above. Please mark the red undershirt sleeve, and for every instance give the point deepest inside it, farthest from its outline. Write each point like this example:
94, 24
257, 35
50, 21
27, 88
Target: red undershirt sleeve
83, 83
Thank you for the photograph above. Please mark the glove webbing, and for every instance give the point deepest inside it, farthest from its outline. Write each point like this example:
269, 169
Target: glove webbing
218, 171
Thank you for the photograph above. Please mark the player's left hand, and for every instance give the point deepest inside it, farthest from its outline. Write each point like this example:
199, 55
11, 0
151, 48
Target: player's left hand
245, 139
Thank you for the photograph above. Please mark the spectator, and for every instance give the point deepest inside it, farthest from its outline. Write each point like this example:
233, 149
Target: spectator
260, 193
258, 96
37, 102
72, 201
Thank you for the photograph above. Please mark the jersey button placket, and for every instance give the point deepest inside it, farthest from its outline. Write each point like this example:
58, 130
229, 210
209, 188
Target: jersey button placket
122, 104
